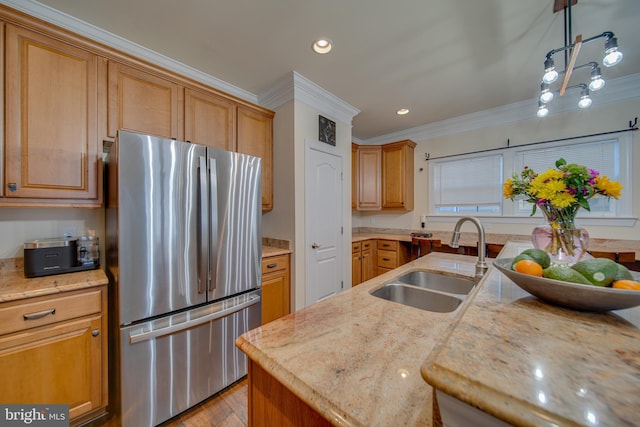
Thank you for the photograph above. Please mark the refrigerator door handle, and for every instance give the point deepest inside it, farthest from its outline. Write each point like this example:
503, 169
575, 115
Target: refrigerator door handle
203, 248
213, 257
138, 336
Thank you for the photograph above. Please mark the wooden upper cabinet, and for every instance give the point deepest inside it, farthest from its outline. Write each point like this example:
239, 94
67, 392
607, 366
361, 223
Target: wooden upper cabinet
209, 120
255, 137
52, 148
143, 102
369, 177
397, 175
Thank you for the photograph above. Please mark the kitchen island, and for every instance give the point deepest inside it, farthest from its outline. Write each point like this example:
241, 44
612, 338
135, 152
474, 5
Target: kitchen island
356, 359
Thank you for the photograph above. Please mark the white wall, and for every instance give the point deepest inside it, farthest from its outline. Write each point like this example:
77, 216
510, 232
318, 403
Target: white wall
19, 225
596, 119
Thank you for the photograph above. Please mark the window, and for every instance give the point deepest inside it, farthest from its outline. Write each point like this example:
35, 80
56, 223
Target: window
472, 184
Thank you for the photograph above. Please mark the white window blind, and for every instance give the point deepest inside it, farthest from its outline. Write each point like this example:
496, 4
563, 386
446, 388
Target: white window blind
603, 156
467, 182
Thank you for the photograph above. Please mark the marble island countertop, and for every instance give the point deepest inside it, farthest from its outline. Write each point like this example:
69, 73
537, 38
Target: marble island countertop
534, 364
356, 358
362, 361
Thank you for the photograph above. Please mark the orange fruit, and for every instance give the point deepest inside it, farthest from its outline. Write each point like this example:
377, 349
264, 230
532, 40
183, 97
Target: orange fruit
626, 284
526, 266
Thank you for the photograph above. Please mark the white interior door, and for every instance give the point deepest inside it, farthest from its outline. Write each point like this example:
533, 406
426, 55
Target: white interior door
323, 218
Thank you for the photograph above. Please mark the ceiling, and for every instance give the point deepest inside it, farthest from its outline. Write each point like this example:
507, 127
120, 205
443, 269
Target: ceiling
439, 58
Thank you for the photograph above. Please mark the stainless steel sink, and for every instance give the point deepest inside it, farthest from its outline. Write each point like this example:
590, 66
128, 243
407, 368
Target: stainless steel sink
418, 297
437, 282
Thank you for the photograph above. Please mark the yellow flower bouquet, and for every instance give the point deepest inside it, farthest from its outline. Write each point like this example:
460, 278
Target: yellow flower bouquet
560, 193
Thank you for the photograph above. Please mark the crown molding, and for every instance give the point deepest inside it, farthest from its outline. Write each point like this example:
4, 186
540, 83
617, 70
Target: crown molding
99, 35
294, 86
616, 90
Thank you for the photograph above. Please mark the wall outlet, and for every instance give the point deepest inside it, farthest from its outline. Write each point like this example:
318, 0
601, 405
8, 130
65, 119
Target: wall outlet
69, 231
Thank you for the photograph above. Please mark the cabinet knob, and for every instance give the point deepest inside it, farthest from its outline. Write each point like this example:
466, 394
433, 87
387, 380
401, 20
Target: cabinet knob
95, 332
315, 246
12, 186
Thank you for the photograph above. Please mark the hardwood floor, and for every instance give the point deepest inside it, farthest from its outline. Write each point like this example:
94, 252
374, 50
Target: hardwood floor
226, 409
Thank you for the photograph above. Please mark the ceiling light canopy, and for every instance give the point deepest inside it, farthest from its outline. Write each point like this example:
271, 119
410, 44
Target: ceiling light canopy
612, 56
322, 46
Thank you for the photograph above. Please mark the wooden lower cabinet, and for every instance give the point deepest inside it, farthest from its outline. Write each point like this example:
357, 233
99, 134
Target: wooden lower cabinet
273, 404
362, 262
390, 254
275, 287
53, 350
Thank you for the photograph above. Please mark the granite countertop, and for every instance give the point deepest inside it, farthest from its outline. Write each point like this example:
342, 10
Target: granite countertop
356, 358
14, 286
534, 364
268, 251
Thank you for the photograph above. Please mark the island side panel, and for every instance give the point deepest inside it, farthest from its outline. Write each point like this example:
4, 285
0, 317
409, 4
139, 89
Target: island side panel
272, 404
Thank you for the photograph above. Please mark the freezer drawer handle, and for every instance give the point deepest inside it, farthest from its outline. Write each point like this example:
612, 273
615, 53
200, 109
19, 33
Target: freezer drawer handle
144, 336
39, 315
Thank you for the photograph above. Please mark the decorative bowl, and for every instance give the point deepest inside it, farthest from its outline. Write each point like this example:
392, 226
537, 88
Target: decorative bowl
572, 295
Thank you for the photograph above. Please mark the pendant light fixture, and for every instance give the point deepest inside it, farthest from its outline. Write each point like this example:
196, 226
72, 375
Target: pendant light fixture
612, 56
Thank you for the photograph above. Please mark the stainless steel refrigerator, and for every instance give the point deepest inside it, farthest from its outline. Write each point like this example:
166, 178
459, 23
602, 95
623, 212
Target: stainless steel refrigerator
183, 228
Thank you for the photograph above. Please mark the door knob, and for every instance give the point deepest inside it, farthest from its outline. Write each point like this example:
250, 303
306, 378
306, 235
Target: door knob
315, 245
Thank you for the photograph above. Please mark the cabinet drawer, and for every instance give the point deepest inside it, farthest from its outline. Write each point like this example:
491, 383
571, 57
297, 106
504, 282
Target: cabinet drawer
355, 247
41, 311
391, 245
387, 259
275, 263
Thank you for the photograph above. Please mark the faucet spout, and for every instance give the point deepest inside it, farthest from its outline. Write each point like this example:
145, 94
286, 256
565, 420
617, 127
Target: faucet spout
481, 265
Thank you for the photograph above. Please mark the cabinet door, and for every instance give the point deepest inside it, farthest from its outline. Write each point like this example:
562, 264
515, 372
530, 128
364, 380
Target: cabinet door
368, 266
209, 120
356, 268
397, 175
52, 149
142, 102
59, 364
255, 137
369, 178
274, 286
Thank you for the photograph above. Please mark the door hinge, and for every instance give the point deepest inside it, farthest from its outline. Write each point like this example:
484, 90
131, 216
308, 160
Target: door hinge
341, 230
341, 284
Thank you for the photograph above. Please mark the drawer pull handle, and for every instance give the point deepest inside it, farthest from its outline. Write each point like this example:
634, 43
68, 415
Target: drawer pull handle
272, 265
386, 245
386, 259
39, 315
95, 332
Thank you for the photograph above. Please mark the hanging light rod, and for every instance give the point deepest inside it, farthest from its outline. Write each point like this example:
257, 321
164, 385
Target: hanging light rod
612, 56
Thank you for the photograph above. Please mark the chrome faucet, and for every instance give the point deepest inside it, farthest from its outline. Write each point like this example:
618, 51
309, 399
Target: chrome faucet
481, 265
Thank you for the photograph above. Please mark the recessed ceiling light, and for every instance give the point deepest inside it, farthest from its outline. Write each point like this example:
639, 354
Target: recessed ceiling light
322, 46
402, 111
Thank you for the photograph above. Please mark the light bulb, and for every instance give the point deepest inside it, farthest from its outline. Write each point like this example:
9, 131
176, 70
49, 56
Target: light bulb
542, 110
584, 102
611, 52
596, 84
545, 94
322, 46
550, 73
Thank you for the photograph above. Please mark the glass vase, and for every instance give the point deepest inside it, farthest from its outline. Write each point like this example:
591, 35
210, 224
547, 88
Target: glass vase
565, 246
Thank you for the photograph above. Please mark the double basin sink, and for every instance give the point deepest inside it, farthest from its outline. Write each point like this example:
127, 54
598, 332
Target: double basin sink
427, 290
